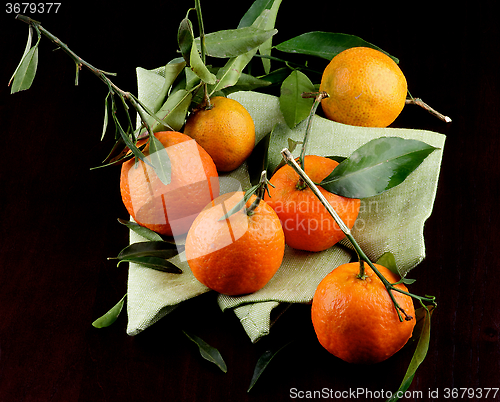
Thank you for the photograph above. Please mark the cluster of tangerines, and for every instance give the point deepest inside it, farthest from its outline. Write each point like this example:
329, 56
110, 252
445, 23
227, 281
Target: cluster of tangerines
238, 253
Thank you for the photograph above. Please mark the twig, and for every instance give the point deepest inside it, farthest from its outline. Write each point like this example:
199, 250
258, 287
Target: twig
101, 74
390, 287
422, 104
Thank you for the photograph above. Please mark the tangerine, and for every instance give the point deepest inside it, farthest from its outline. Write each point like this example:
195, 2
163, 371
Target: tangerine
354, 317
170, 209
226, 131
365, 87
306, 222
237, 255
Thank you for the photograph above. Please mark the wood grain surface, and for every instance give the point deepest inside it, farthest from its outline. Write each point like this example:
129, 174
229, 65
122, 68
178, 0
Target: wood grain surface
58, 221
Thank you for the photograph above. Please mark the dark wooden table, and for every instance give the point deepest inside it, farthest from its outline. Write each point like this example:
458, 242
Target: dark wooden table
59, 225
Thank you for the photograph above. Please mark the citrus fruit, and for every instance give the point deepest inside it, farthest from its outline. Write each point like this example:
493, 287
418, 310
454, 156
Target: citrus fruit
170, 209
306, 222
365, 87
226, 131
355, 319
239, 254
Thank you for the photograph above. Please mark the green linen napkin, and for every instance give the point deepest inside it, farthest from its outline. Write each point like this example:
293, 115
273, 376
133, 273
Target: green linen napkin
392, 221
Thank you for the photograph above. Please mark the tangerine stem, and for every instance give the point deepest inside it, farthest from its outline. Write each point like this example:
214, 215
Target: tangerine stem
425, 106
362, 274
260, 192
318, 96
389, 287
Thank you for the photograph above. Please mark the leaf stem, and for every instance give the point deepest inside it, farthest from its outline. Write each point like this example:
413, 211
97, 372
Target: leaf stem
390, 287
260, 192
206, 97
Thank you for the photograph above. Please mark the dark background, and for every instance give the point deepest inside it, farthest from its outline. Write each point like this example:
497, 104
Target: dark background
58, 218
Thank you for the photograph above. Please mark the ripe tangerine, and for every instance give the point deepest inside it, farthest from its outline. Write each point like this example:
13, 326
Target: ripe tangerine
170, 209
306, 222
365, 87
237, 255
226, 131
355, 319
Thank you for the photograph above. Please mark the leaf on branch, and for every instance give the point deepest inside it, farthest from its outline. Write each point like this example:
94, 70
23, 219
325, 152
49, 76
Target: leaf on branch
25, 74
185, 38
293, 106
141, 230
324, 44
377, 166
160, 160
156, 263
231, 72
235, 42
26, 50
241, 204
199, 68
172, 71
151, 254
105, 123
254, 12
158, 248
389, 261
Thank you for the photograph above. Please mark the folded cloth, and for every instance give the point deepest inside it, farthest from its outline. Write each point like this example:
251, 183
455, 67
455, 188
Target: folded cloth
390, 222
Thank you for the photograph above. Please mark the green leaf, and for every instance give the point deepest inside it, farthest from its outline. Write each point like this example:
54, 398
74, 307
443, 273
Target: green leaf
199, 68
262, 363
174, 110
265, 48
377, 166
128, 141
151, 254
26, 50
172, 71
160, 160
240, 203
185, 38
324, 44
105, 123
25, 74
208, 352
172, 114
419, 354
156, 263
389, 261
235, 42
111, 316
254, 12
277, 76
160, 249
247, 82
141, 230
293, 106
229, 75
